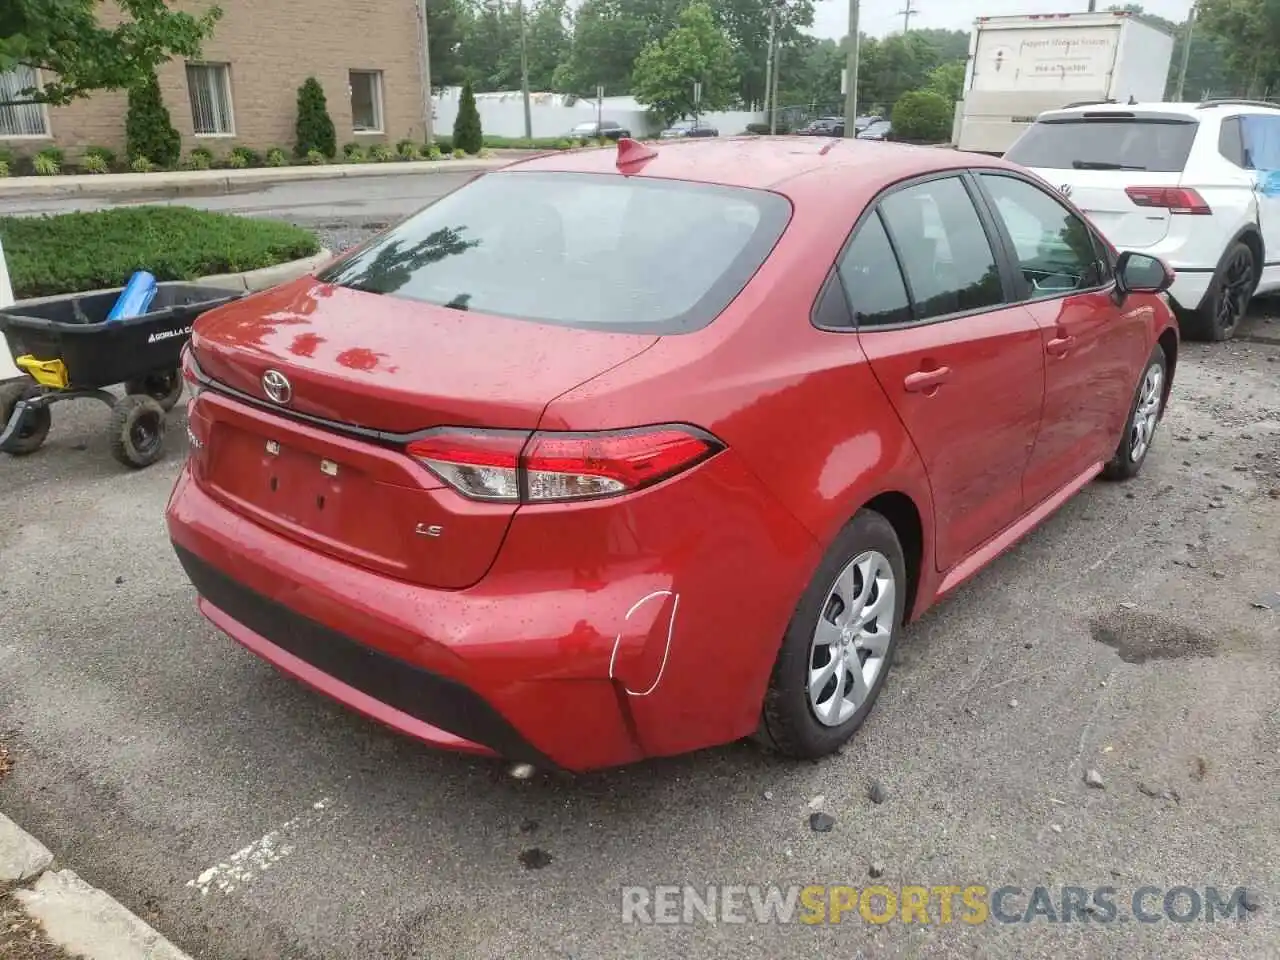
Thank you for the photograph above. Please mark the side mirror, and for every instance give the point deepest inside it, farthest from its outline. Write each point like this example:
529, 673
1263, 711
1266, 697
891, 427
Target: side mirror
1141, 273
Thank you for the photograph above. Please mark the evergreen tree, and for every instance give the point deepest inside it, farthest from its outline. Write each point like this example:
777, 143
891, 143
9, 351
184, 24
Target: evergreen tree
467, 134
314, 130
148, 130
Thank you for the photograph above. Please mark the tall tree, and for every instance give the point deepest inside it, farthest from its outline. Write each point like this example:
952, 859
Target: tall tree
77, 55
697, 51
608, 36
444, 31
746, 22
549, 42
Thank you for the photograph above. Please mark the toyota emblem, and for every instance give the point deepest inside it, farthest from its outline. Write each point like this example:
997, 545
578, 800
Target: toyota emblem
277, 387
1065, 189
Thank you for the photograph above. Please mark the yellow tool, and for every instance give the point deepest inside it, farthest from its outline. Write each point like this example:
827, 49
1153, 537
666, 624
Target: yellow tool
47, 373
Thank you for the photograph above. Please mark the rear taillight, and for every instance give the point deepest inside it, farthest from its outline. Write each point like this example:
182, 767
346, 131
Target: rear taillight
556, 467
1173, 199
188, 366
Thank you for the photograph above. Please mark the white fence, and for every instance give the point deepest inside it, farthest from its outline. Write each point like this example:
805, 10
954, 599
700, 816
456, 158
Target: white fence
502, 114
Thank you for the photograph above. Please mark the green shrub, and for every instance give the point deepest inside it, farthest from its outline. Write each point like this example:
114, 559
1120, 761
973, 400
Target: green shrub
73, 252
148, 129
141, 164
4, 169
459, 153
443, 141
241, 157
315, 158
467, 135
199, 159
108, 155
53, 153
434, 153
381, 153
353, 152
314, 130
408, 150
94, 163
564, 145
6, 155
276, 157
922, 115
46, 165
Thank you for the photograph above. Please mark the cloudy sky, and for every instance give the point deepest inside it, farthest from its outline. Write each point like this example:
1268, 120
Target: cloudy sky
879, 17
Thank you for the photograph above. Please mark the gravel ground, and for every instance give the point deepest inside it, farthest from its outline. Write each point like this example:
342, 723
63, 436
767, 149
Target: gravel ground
1099, 707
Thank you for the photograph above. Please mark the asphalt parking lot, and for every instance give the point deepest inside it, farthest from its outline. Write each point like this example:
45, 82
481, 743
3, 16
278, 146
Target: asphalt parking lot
1137, 635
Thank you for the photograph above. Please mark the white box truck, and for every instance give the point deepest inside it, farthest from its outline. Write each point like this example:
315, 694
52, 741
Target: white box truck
1021, 66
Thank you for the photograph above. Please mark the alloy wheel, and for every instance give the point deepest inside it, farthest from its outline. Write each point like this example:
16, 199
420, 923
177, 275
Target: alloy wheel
849, 647
1236, 291
1146, 414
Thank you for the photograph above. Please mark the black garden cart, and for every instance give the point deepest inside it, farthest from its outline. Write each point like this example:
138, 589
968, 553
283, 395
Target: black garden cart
67, 350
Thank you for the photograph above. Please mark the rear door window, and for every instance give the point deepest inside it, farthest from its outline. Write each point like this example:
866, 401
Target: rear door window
1105, 142
872, 278
946, 254
587, 250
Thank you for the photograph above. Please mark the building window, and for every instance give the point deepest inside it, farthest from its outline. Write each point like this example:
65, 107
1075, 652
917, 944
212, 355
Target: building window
209, 85
366, 101
21, 119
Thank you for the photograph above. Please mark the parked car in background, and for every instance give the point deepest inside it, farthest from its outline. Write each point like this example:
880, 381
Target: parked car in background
1192, 183
515, 497
878, 130
687, 128
593, 130
823, 127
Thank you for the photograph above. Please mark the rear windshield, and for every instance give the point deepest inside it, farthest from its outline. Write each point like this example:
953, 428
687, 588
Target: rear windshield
588, 250
1158, 146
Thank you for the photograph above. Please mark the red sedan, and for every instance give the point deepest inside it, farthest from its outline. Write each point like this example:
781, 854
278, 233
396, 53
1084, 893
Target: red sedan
619, 454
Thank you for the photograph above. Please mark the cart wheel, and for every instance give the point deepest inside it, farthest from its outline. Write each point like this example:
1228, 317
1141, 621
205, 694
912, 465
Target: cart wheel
165, 388
31, 433
137, 431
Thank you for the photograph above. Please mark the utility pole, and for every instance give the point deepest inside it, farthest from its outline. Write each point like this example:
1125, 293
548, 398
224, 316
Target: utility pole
1186, 52
768, 63
524, 73
851, 74
773, 94
907, 13
428, 105
1093, 6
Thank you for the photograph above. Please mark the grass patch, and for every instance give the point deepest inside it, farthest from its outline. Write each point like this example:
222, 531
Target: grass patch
74, 252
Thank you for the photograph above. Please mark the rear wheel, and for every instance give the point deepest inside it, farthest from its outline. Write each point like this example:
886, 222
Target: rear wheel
1227, 301
1144, 417
164, 387
839, 645
137, 431
33, 429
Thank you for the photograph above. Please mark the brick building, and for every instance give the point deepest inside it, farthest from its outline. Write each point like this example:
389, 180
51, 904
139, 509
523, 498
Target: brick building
365, 53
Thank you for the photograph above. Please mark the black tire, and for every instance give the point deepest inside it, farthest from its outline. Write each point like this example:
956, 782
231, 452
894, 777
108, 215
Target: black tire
788, 722
35, 424
137, 431
165, 387
1227, 301
1125, 464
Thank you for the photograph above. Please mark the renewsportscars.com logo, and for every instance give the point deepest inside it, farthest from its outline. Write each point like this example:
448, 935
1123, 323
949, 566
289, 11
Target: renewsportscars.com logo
971, 904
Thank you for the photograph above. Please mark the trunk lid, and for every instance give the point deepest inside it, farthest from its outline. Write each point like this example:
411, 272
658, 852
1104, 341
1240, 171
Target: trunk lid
387, 366
1101, 195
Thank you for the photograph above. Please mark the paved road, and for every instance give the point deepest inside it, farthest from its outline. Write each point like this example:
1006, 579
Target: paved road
349, 202
247, 817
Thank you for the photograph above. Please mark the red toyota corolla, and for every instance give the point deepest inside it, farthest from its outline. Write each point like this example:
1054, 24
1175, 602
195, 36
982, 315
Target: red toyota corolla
617, 454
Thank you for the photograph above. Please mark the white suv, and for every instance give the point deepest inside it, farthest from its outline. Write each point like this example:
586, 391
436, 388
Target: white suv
1196, 184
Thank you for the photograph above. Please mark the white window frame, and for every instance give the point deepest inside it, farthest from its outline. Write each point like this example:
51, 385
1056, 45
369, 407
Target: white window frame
44, 116
222, 69
379, 103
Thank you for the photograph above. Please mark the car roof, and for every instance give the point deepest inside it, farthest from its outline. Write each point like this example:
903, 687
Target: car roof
765, 162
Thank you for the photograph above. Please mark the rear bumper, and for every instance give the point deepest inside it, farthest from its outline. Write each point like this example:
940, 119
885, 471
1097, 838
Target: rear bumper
568, 653
385, 688
1190, 285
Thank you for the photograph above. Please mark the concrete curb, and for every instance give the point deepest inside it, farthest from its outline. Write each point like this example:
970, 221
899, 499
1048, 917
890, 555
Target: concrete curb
81, 919
206, 182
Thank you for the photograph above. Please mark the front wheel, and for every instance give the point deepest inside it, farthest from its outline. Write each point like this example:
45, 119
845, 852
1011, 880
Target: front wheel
33, 429
1144, 417
137, 431
840, 643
